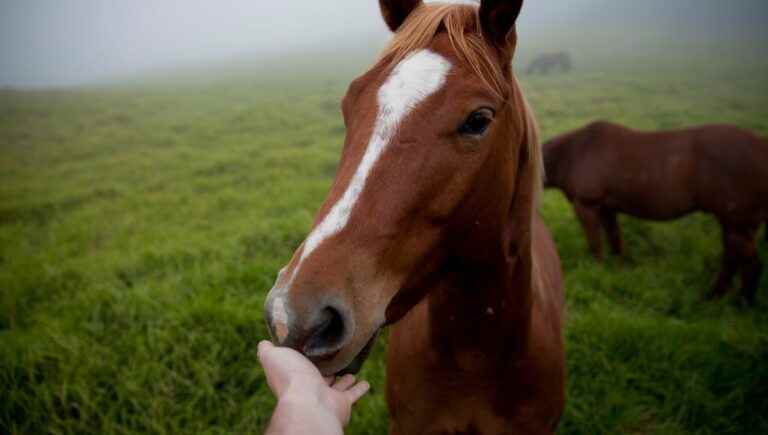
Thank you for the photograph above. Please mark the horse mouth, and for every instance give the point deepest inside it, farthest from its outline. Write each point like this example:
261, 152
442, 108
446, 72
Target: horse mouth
357, 362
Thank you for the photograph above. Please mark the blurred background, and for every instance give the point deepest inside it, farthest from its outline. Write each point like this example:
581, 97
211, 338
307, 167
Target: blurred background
51, 43
161, 160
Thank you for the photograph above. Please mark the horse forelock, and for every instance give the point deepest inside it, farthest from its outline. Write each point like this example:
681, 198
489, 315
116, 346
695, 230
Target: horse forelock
462, 25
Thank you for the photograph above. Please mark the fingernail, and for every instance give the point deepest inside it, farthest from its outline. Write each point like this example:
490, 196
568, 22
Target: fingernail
263, 345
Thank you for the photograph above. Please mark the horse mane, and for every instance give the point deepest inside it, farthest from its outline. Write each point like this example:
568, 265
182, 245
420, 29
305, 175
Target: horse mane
462, 25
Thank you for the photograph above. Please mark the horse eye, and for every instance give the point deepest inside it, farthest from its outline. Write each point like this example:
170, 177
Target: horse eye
477, 123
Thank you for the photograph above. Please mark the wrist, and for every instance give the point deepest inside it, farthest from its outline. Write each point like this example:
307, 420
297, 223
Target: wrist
310, 397
301, 389
298, 412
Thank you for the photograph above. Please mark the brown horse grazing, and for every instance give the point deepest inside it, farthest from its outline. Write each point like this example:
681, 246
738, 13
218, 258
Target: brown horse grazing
430, 225
545, 63
605, 169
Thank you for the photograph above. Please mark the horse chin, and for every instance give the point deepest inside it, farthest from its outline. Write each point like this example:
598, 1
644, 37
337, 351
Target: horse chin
357, 362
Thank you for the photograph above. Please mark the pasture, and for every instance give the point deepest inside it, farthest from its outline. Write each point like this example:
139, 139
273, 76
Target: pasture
141, 226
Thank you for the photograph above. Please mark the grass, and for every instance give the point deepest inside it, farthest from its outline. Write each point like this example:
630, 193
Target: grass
141, 227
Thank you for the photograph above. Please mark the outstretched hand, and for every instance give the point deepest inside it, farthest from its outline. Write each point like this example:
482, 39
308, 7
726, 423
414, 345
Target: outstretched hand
300, 388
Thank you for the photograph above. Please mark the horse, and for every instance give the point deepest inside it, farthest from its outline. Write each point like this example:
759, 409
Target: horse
605, 169
547, 62
430, 226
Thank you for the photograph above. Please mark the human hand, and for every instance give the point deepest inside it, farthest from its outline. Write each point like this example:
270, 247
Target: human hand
293, 378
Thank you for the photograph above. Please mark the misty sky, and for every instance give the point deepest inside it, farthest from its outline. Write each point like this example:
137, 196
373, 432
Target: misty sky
71, 41
61, 42
76, 40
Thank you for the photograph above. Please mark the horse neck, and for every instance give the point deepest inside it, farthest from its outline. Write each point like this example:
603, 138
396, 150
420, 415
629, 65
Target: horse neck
472, 299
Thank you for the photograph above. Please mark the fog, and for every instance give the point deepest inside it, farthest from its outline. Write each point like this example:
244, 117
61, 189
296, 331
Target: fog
67, 42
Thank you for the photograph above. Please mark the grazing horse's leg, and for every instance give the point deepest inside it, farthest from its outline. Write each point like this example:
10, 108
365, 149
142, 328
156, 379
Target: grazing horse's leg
589, 216
612, 229
751, 268
738, 252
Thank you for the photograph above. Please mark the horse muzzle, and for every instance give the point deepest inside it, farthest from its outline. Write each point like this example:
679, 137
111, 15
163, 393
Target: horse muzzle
357, 362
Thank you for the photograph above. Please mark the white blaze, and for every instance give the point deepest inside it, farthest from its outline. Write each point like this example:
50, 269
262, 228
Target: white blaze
419, 75
415, 78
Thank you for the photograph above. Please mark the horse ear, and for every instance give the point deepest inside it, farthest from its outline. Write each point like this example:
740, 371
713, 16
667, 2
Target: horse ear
396, 11
497, 19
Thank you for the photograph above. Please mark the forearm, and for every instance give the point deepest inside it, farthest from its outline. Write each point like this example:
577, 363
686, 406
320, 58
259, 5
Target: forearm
296, 415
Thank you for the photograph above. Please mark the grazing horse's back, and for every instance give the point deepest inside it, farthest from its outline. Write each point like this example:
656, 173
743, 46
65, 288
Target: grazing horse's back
710, 168
734, 166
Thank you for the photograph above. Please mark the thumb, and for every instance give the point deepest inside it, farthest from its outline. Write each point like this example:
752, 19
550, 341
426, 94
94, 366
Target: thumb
267, 354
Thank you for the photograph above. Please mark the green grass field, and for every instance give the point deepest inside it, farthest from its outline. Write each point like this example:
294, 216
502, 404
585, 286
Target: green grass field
142, 225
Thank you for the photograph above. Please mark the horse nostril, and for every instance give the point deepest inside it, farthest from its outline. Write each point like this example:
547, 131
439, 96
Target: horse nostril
327, 335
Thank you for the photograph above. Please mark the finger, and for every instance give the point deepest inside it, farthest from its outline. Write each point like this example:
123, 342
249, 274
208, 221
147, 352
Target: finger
356, 392
329, 380
344, 382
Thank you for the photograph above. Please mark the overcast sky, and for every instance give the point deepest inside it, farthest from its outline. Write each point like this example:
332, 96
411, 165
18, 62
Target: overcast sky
60, 42
74, 40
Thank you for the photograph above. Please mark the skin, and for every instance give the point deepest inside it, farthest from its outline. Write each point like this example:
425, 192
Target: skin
444, 244
605, 169
307, 402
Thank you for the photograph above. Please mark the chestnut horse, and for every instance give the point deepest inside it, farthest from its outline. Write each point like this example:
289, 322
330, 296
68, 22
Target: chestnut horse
430, 225
605, 169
